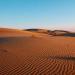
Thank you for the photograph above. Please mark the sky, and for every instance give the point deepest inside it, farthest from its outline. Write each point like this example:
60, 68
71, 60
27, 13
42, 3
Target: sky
47, 14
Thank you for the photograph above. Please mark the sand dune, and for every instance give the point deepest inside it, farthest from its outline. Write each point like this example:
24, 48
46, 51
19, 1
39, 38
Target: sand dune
4, 32
26, 53
53, 32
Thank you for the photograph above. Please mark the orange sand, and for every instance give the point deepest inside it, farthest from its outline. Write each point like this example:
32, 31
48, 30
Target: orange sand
26, 53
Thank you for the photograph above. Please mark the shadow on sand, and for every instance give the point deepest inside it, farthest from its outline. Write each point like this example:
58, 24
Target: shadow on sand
4, 40
63, 57
70, 34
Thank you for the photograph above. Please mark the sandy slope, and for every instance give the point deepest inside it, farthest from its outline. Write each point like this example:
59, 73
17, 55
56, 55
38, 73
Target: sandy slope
26, 53
4, 32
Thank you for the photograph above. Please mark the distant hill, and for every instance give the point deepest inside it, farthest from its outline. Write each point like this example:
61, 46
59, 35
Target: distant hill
63, 33
60, 32
39, 30
49, 32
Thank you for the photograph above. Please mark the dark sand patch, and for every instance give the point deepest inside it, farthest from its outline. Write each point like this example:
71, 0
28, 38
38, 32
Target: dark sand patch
71, 58
3, 51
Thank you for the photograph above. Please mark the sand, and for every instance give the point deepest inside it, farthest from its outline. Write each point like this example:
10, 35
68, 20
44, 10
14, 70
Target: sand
31, 53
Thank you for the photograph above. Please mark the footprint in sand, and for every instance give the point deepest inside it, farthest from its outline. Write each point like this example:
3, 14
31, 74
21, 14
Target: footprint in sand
3, 51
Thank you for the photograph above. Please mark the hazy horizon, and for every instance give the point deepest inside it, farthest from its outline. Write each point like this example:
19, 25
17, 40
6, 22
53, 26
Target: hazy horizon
46, 14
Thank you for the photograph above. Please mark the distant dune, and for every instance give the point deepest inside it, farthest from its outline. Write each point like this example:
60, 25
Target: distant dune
35, 52
54, 32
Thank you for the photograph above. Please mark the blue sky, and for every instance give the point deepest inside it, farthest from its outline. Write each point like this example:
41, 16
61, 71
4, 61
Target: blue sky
51, 14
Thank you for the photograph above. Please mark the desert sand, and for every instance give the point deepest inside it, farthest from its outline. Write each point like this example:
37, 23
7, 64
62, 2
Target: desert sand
32, 53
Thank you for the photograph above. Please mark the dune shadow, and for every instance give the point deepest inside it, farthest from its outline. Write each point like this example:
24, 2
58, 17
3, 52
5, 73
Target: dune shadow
4, 40
70, 34
63, 57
